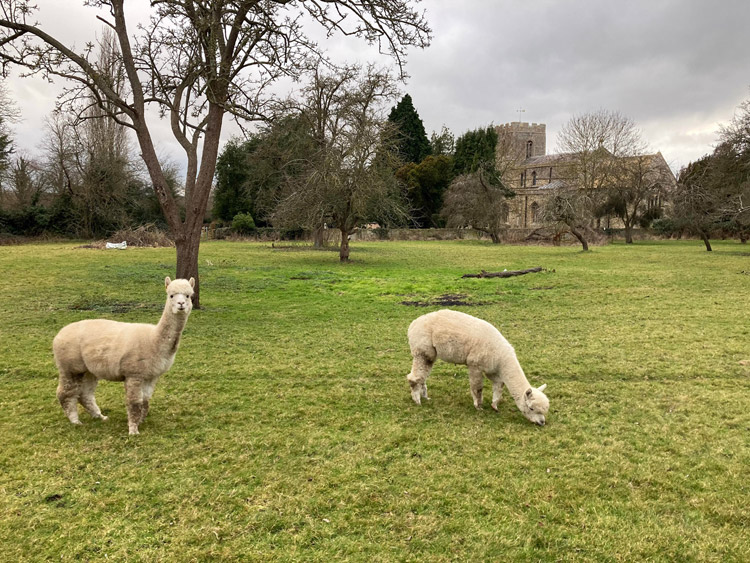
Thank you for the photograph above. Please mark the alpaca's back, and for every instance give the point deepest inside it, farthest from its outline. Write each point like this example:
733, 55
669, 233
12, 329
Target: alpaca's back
455, 337
107, 349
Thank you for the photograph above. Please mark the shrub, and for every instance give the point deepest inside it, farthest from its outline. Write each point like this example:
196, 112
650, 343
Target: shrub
665, 227
145, 235
243, 224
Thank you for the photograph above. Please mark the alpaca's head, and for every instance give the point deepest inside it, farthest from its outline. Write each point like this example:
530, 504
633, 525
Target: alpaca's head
418, 389
180, 295
536, 404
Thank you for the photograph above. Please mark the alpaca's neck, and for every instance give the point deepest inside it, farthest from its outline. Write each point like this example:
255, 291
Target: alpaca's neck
514, 378
169, 330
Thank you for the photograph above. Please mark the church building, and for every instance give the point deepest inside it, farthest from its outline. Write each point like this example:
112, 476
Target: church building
532, 173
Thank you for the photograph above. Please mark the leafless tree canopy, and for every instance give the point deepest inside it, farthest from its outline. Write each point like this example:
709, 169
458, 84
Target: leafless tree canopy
348, 177
473, 200
607, 161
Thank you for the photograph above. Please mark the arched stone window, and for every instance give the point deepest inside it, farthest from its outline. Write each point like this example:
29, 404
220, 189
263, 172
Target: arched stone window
529, 148
535, 212
504, 212
523, 179
533, 178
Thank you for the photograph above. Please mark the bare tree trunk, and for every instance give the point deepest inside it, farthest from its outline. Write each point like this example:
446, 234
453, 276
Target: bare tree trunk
344, 247
628, 233
495, 238
576, 233
187, 247
317, 235
707, 242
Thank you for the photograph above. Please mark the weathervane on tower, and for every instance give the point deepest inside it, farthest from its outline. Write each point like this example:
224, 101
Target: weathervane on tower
519, 111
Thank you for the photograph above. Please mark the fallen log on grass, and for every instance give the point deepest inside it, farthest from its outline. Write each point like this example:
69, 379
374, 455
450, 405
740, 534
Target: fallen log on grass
505, 274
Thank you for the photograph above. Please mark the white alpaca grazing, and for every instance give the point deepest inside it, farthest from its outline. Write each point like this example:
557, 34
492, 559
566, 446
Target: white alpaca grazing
90, 350
459, 338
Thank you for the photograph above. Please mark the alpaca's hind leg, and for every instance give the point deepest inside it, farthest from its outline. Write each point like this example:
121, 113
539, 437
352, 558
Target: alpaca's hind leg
86, 398
475, 382
497, 392
134, 398
68, 391
420, 370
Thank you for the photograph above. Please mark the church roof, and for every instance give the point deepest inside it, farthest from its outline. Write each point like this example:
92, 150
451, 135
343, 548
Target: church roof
554, 184
547, 159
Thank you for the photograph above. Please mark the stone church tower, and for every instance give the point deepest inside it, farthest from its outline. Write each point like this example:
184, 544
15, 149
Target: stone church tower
529, 139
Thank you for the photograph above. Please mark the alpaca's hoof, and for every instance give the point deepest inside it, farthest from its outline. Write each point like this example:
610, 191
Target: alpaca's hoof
133, 430
76, 422
103, 418
494, 407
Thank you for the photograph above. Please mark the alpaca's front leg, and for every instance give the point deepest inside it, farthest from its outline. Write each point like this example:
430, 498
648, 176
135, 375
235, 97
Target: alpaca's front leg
476, 384
134, 398
497, 392
148, 391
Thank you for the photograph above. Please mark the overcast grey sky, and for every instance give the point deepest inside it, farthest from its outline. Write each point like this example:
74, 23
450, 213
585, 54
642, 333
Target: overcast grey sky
679, 68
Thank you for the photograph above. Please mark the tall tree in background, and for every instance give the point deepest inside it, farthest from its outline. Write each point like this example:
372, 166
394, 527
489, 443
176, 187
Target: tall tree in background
413, 145
638, 185
478, 196
695, 203
349, 178
250, 174
426, 183
198, 60
231, 194
443, 143
8, 114
475, 150
732, 164
595, 142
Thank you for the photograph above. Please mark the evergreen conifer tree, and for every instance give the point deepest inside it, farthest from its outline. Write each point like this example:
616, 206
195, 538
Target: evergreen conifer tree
414, 145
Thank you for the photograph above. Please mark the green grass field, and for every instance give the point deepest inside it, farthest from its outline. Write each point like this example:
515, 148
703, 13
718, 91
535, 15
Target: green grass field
285, 430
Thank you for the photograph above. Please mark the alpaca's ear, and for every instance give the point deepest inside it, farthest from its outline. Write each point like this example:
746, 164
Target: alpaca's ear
167, 281
192, 282
528, 392
542, 388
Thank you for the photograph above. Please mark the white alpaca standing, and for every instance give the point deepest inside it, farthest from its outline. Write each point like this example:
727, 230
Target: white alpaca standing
136, 353
459, 338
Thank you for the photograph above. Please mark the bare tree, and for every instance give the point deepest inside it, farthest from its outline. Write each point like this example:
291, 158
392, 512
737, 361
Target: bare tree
569, 210
89, 158
595, 143
695, 203
732, 164
478, 200
196, 61
8, 114
637, 187
349, 178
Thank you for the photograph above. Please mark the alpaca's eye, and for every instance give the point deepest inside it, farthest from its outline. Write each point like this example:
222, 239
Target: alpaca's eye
531, 408
171, 296
189, 296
